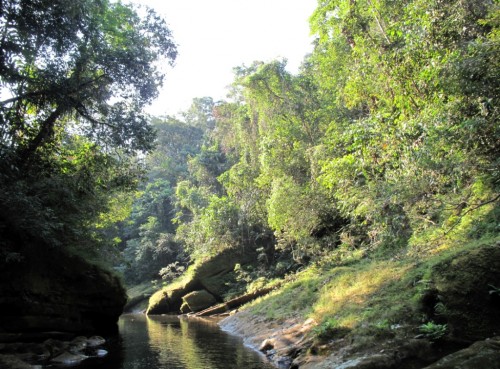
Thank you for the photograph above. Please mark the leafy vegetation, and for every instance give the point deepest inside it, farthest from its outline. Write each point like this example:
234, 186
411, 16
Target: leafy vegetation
433, 331
74, 79
384, 146
347, 180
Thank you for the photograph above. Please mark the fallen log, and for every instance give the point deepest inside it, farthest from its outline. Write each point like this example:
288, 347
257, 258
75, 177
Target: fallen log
234, 303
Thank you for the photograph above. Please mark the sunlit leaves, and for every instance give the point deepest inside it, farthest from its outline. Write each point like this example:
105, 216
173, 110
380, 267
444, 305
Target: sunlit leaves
414, 90
75, 77
91, 61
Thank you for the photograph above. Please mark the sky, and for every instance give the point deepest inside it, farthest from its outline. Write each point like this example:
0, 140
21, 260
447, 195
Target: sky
214, 36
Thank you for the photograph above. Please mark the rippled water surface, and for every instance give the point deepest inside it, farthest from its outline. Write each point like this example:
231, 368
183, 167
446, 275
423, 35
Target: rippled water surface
171, 343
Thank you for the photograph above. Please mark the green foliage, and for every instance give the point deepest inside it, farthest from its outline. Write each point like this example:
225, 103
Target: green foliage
329, 329
384, 141
75, 77
433, 331
384, 144
89, 66
200, 114
176, 143
405, 111
290, 210
172, 271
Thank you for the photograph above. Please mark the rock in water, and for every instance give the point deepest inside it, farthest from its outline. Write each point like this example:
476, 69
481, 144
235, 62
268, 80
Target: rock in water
13, 362
213, 275
78, 344
95, 341
67, 358
101, 353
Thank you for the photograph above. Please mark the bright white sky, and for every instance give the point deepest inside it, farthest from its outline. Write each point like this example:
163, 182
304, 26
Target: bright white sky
214, 36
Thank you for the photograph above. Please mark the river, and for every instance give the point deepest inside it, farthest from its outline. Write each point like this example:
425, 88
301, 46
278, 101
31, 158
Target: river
165, 342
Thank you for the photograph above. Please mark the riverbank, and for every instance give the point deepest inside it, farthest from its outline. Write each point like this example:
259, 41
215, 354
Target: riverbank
393, 313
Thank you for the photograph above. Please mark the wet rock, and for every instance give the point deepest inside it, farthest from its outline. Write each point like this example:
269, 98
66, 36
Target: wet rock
283, 361
78, 344
185, 308
95, 341
380, 361
168, 300
266, 345
199, 300
21, 355
482, 354
55, 347
101, 353
68, 358
35, 352
212, 275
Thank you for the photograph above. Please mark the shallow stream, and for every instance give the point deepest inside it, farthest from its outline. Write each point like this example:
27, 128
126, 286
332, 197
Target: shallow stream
164, 342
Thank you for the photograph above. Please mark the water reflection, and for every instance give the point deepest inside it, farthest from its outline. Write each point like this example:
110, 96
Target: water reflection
172, 343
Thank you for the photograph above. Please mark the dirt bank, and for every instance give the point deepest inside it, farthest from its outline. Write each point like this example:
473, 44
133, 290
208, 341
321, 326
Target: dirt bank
281, 341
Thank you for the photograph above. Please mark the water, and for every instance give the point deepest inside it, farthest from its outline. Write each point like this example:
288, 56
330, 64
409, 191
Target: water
171, 343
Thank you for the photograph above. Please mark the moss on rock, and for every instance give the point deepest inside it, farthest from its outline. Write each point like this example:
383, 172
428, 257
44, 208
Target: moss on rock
210, 274
465, 292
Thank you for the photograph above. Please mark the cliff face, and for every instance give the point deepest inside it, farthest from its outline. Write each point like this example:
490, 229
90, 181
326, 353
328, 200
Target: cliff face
47, 289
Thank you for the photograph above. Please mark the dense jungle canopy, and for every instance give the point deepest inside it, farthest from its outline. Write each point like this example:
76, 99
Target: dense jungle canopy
386, 143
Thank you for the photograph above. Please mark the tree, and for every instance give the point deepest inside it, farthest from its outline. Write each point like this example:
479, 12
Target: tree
409, 133
74, 79
200, 113
89, 65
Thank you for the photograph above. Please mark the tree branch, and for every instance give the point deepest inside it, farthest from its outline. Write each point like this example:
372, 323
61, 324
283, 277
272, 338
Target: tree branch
496, 198
45, 133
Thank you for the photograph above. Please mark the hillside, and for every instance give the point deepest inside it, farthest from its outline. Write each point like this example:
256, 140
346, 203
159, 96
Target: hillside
366, 187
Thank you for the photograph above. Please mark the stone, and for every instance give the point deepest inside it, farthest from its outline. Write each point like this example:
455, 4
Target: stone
13, 362
199, 300
78, 344
57, 291
101, 353
185, 308
95, 341
68, 358
211, 275
481, 354
158, 303
20, 355
55, 347
266, 345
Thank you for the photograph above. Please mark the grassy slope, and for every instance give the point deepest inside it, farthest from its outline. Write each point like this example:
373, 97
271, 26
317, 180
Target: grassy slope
368, 299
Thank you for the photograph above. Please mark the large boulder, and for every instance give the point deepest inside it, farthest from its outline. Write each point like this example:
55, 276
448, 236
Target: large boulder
199, 300
211, 274
169, 299
46, 289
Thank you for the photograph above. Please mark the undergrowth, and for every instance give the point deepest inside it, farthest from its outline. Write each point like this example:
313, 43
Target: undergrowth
368, 297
